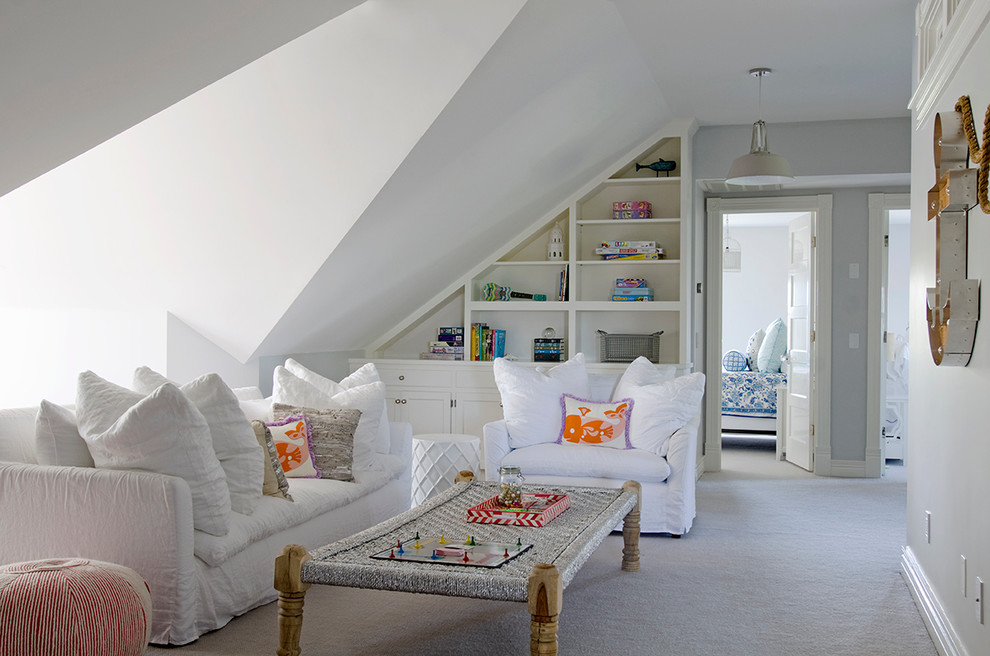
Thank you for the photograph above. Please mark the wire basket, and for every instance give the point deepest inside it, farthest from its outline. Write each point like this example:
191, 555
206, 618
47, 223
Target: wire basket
626, 348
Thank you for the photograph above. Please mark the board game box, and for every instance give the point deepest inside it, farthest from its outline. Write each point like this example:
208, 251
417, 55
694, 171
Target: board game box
536, 510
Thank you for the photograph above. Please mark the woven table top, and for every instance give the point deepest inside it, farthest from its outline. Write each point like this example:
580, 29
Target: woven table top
566, 542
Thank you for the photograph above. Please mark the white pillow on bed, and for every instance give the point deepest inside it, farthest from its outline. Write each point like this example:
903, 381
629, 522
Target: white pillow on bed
753, 349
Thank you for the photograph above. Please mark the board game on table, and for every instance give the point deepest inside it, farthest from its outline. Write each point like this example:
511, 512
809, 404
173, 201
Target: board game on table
536, 575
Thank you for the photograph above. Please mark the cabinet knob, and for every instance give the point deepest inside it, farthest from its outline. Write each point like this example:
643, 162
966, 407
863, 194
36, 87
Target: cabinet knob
403, 401
398, 401
402, 377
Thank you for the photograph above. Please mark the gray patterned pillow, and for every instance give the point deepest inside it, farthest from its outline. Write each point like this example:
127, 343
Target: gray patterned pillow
332, 435
275, 484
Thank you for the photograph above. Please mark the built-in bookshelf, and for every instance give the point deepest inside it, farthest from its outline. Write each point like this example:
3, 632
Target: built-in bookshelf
576, 313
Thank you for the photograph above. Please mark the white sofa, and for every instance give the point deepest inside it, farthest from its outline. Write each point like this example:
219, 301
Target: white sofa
668, 504
143, 520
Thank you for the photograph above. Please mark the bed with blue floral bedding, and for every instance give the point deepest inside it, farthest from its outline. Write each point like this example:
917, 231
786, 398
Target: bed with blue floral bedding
750, 393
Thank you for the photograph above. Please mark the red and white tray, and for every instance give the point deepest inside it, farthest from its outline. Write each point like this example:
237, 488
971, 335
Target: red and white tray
537, 510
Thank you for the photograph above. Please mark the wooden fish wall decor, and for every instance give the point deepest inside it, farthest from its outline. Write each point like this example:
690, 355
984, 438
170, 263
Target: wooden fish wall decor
659, 165
953, 304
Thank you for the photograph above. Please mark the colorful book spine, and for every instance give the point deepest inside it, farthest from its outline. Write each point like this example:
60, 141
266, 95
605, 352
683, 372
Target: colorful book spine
630, 283
624, 251
632, 256
632, 214
629, 244
632, 205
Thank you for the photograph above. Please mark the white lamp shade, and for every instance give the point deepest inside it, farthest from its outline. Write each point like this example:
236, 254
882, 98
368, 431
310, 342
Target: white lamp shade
759, 166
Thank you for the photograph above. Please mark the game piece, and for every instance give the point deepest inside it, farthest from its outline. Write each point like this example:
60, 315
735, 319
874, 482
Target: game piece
443, 540
466, 559
518, 543
417, 545
391, 554
401, 550
417, 536
506, 554
435, 556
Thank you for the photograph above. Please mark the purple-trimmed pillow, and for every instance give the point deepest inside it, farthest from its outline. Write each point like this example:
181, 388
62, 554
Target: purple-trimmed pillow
595, 423
294, 444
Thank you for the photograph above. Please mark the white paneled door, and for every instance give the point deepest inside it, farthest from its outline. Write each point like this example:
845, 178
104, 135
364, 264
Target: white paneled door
800, 440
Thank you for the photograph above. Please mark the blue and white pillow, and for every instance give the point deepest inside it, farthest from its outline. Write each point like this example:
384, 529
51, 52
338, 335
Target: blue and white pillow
773, 348
734, 361
753, 349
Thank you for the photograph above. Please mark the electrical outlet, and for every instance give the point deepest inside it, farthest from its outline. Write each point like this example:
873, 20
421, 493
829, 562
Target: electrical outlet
962, 571
928, 526
979, 599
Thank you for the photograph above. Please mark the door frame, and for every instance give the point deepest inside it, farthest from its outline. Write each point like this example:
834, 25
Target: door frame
716, 208
880, 206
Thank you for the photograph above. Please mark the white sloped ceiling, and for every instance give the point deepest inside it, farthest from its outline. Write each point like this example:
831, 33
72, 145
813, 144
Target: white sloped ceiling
221, 208
560, 96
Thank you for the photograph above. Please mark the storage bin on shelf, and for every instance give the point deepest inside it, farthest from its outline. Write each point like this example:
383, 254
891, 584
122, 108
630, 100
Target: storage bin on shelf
617, 347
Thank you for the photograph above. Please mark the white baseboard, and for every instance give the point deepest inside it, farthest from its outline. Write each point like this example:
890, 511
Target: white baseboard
940, 629
847, 468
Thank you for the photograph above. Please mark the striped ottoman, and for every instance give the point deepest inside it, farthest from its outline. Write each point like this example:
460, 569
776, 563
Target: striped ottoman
73, 606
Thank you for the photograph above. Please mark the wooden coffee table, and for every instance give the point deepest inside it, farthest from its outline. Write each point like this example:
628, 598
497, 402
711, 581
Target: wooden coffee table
537, 576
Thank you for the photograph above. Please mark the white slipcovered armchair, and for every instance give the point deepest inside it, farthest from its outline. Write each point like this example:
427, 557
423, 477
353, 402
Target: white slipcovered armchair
661, 453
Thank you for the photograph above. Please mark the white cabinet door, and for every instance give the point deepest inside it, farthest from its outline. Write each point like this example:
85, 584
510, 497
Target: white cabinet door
472, 410
475, 408
427, 411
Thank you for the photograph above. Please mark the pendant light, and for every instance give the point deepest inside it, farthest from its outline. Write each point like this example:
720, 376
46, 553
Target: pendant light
759, 166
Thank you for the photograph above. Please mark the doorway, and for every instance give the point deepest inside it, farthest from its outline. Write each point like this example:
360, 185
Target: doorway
887, 357
787, 240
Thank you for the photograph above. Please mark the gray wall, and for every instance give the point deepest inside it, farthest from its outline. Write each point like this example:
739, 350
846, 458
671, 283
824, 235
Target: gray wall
849, 160
333, 365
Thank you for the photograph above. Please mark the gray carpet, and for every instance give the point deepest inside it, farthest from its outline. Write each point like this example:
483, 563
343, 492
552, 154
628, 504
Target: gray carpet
778, 562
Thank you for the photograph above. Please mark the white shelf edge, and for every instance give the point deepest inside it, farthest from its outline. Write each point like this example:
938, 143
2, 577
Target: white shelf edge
519, 306
652, 221
628, 306
641, 181
636, 262
530, 263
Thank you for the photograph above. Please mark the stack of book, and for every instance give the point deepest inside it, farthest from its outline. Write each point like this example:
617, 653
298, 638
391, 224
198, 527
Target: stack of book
486, 343
548, 349
449, 345
629, 250
632, 209
631, 289
563, 287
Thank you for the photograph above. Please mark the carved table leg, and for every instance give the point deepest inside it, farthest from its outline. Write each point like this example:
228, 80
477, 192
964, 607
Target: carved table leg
291, 595
630, 530
545, 599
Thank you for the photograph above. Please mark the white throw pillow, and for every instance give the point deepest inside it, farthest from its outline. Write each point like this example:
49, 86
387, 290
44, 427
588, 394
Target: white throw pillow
660, 409
56, 437
641, 372
753, 349
364, 375
234, 441
289, 389
252, 393
773, 347
163, 433
531, 397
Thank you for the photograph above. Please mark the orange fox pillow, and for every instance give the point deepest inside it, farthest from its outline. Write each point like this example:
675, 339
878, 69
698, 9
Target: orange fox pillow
294, 446
595, 423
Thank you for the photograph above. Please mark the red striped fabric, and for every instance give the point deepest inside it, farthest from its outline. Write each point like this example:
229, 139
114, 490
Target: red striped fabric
73, 607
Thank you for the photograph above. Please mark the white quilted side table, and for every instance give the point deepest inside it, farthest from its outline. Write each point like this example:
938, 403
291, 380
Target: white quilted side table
437, 458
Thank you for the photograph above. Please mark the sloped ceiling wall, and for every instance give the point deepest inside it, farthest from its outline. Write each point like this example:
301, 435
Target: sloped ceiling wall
560, 95
222, 208
75, 74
